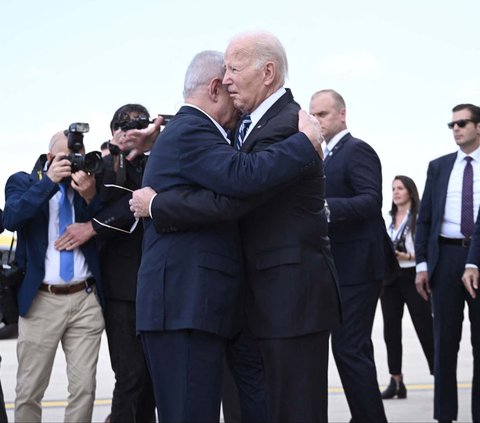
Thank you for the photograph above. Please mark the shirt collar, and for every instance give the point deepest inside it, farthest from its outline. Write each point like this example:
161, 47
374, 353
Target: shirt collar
257, 114
334, 141
475, 155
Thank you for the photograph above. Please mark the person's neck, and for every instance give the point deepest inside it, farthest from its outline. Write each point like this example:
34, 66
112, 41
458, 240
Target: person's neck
470, 148
402, 210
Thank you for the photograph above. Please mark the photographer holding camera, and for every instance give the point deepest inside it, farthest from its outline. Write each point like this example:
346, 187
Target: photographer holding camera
119, 242
401, 290
58, 298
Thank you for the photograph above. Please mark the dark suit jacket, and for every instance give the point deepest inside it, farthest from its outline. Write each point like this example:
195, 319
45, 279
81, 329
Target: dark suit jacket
194, 279
432, 209
291, 276
474, 251
27, 212
360, 244
120, 253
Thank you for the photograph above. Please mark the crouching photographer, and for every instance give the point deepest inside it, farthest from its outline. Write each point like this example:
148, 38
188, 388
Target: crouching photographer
59, 277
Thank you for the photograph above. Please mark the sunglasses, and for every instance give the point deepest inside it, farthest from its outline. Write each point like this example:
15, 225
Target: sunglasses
461, 123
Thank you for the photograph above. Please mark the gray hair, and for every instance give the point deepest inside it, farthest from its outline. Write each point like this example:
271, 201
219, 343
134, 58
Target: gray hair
266, 47
205, 66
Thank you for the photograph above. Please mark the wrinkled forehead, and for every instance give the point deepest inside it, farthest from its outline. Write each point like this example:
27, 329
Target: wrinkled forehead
239, 51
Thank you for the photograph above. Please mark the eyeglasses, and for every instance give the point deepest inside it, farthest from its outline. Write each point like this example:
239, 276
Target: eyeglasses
461, 123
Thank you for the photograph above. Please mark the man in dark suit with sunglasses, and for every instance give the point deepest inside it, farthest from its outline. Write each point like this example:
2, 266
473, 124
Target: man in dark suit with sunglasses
450, 203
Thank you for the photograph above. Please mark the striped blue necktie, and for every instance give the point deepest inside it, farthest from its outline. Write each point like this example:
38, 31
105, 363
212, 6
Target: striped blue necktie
246, 121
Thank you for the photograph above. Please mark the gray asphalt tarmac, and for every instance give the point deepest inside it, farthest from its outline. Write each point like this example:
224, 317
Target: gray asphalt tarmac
417, 407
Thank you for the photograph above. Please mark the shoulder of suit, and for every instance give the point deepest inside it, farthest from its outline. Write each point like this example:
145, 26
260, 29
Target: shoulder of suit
445, 158
350, 140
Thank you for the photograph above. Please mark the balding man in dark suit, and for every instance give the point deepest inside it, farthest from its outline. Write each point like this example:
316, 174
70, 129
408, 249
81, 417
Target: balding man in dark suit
361, 250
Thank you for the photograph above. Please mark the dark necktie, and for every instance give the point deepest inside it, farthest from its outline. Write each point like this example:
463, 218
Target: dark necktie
246, 121
65, 219
466, 224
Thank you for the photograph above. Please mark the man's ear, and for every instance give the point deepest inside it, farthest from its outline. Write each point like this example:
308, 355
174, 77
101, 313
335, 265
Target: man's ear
214, 88
269, 73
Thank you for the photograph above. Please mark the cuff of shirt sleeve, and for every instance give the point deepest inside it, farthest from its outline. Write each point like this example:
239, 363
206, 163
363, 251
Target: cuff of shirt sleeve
422, 267
150, 206
471, 266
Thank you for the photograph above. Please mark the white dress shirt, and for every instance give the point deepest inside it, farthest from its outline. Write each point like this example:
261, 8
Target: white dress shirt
453, 206
52, 258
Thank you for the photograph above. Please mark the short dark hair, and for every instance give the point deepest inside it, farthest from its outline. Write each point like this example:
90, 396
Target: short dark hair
410, 186
122, 115
104, 145
474, 110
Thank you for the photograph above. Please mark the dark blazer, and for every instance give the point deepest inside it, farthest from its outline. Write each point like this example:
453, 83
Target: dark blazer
432, 208
292, 289
360, 243
27, 212
193, 279
474, 251
120, 252
291, 277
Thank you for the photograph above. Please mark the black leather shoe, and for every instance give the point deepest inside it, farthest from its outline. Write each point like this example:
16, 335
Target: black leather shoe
395, 390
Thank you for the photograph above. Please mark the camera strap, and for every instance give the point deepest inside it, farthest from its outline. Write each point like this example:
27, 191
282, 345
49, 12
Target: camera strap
121, 172
402, 233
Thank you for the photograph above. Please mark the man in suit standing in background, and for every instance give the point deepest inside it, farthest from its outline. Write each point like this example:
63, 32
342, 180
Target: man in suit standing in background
190, 283
359, 246
450, 202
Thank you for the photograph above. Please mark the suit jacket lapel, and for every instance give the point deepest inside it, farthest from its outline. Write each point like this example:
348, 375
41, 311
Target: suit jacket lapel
443, 178
338, 147
273, 111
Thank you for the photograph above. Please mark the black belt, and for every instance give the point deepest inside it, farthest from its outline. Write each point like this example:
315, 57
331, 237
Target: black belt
68, 289
459, 242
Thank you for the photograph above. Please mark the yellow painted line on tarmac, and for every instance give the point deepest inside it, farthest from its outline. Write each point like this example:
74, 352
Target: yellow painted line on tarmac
59, 403
333, 390
412, 387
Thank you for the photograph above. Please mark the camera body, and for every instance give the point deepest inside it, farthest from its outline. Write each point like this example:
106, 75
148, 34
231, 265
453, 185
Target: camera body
142, 122
399, 245
91, 162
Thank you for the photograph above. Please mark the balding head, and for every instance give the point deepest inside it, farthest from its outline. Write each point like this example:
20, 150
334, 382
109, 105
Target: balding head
58, 144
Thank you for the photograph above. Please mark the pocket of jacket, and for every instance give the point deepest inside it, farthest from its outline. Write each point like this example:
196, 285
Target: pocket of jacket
214, 261
280, 257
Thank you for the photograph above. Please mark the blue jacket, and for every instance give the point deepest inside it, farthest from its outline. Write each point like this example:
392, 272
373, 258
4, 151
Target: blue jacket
27, 212
360, 244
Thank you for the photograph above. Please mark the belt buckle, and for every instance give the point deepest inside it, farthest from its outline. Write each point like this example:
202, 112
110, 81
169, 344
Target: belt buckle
49, 287
465, 242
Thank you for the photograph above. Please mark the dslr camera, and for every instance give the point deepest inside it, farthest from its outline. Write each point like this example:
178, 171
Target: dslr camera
142, 122
399, 245
91, 162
